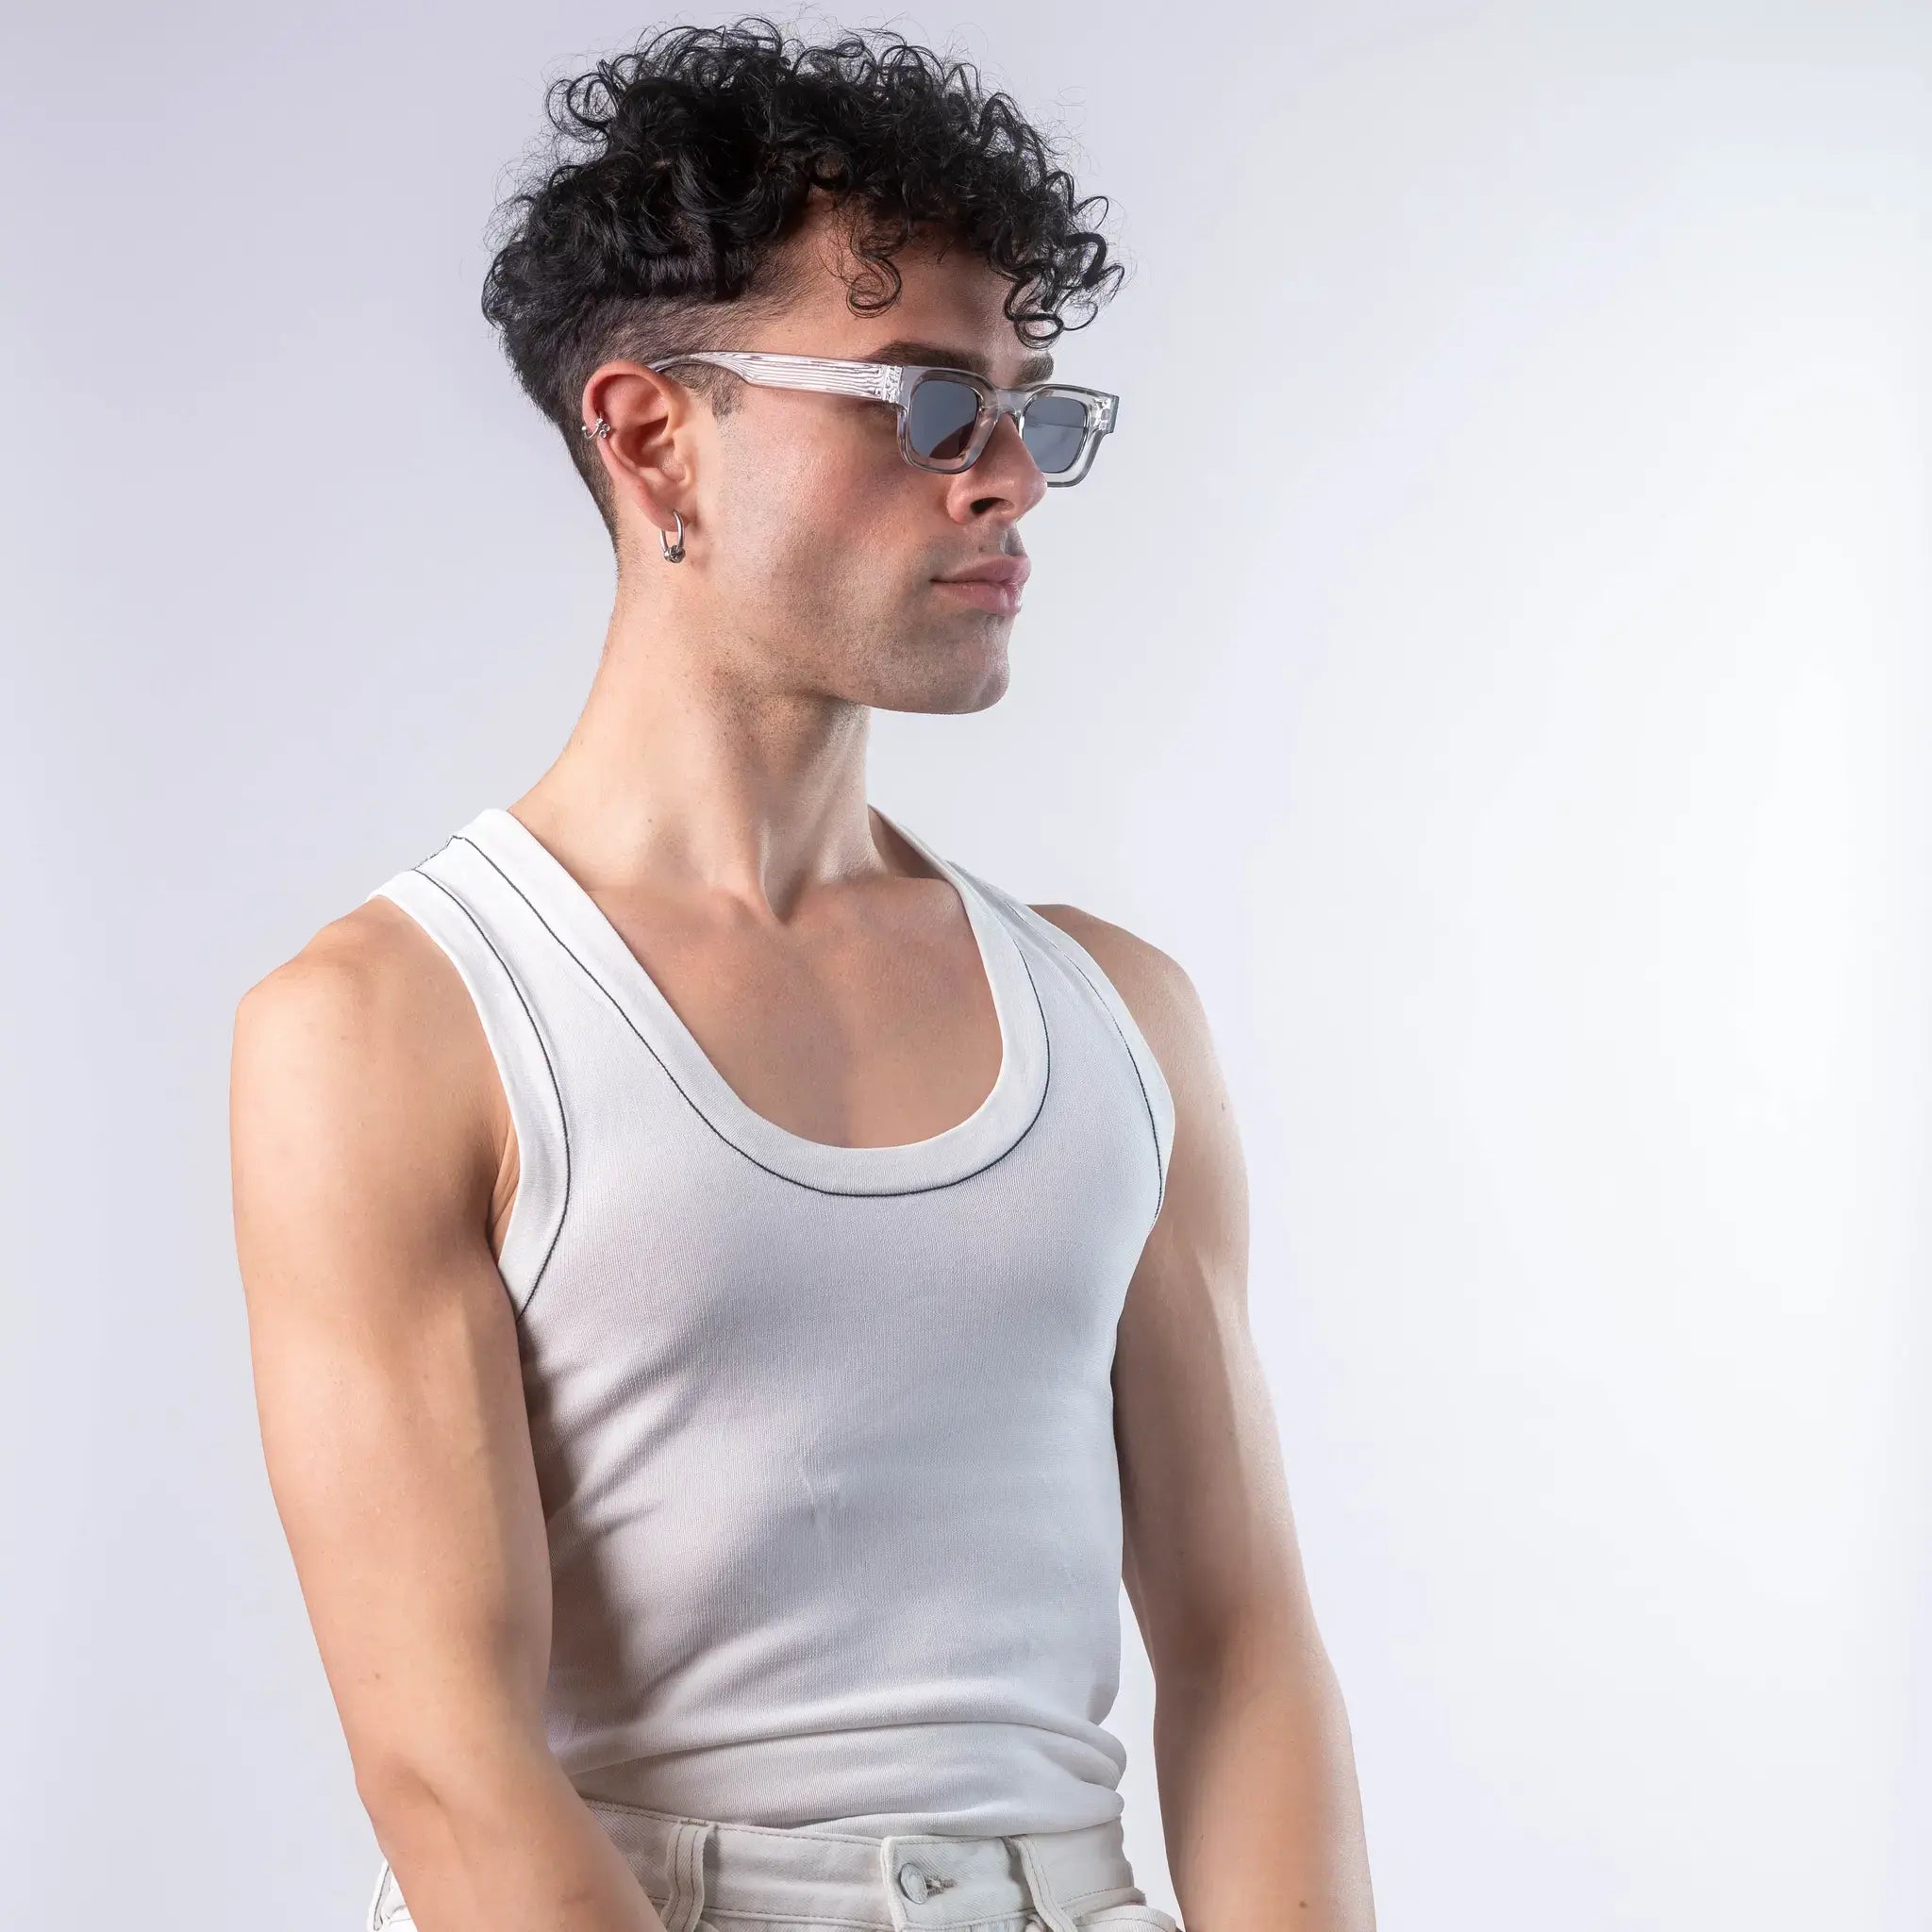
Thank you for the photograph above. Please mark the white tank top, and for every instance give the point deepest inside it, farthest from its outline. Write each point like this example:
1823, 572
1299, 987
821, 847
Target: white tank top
823, 1434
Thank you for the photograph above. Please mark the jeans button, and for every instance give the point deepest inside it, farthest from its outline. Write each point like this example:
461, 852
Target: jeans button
912, 1882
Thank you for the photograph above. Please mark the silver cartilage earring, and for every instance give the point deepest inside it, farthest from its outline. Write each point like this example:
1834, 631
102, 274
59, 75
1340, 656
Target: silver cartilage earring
599, 428
674, 553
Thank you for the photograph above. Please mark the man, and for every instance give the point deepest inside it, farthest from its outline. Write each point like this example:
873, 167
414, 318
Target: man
731, 1293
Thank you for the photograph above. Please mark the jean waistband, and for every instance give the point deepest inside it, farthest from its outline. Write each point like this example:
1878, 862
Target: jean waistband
706, 1876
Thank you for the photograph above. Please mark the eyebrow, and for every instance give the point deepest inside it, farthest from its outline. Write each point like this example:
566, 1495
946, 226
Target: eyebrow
949, 355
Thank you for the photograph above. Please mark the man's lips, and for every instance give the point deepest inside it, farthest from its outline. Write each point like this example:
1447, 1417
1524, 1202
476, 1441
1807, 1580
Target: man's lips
993, 584
993, 570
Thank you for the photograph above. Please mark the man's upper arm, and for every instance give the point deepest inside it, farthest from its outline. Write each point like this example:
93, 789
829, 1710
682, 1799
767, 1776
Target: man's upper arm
387, 1372
1210, 1554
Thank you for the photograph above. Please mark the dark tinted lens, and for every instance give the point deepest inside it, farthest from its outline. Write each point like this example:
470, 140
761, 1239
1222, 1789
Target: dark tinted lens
1056, 429
940, 419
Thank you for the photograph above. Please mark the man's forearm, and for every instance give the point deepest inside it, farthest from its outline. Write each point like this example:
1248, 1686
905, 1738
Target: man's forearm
1259, 1795
502, 1846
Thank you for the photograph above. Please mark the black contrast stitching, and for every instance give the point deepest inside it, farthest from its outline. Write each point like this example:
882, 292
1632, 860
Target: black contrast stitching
1060, 939
563, 1117
618, 1007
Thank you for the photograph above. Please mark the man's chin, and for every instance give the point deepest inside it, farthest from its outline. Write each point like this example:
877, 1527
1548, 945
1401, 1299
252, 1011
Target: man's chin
954, 668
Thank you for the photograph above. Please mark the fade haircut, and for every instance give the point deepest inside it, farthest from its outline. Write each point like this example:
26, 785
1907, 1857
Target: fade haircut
655, 221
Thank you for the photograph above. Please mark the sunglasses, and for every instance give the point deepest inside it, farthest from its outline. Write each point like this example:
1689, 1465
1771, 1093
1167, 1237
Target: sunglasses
945, 415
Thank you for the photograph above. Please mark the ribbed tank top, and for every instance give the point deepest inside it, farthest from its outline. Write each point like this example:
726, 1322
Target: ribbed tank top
823, 1434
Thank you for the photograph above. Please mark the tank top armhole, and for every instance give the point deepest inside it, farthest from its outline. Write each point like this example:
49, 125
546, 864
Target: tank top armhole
1154, 1087
523, 1065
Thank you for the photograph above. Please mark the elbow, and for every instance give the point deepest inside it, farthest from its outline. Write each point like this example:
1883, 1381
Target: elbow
396, 1790
484, 1774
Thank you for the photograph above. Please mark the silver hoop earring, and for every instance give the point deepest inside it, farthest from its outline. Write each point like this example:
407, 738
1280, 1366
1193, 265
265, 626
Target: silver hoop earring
674, 553
599, 428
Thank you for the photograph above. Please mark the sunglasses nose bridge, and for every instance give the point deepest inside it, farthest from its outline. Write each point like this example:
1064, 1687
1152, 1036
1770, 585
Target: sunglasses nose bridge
989, 423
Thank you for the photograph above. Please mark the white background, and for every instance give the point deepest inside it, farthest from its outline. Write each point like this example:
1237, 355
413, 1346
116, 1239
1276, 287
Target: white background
1491, 657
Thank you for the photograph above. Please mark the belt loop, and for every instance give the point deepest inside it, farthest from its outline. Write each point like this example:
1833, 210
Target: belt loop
1045, 1907
686, 1904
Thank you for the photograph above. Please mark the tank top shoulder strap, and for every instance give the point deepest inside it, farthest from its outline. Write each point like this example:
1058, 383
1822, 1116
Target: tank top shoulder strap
462, 904
1109, 1006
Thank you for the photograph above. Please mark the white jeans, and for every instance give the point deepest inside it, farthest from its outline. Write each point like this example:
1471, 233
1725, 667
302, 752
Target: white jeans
756, 1878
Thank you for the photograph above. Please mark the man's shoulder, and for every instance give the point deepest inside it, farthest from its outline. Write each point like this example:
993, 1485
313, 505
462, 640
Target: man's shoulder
1154, 985
368, 965
368, 1016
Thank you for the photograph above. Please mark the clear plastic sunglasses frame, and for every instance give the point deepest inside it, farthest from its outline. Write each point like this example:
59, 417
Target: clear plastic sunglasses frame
896, 382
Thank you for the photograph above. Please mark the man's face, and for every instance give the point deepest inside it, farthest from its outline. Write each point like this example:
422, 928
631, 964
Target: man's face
821, 543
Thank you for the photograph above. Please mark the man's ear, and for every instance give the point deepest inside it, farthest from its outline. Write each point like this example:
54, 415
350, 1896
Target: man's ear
648, 449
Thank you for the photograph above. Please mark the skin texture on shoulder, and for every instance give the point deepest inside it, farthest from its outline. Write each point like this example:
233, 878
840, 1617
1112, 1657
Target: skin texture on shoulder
1252, 1743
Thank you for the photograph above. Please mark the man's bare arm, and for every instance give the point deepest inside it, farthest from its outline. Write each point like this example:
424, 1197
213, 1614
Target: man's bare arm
368, 1136
1253, 1756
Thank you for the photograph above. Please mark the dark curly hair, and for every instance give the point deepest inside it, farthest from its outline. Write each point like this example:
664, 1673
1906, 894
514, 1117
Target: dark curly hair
700, 148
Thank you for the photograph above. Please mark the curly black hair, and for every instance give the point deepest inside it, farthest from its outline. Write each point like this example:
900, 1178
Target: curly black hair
700, 147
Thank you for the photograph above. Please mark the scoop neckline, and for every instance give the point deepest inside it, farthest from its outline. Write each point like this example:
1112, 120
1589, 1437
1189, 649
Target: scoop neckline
991, 1131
